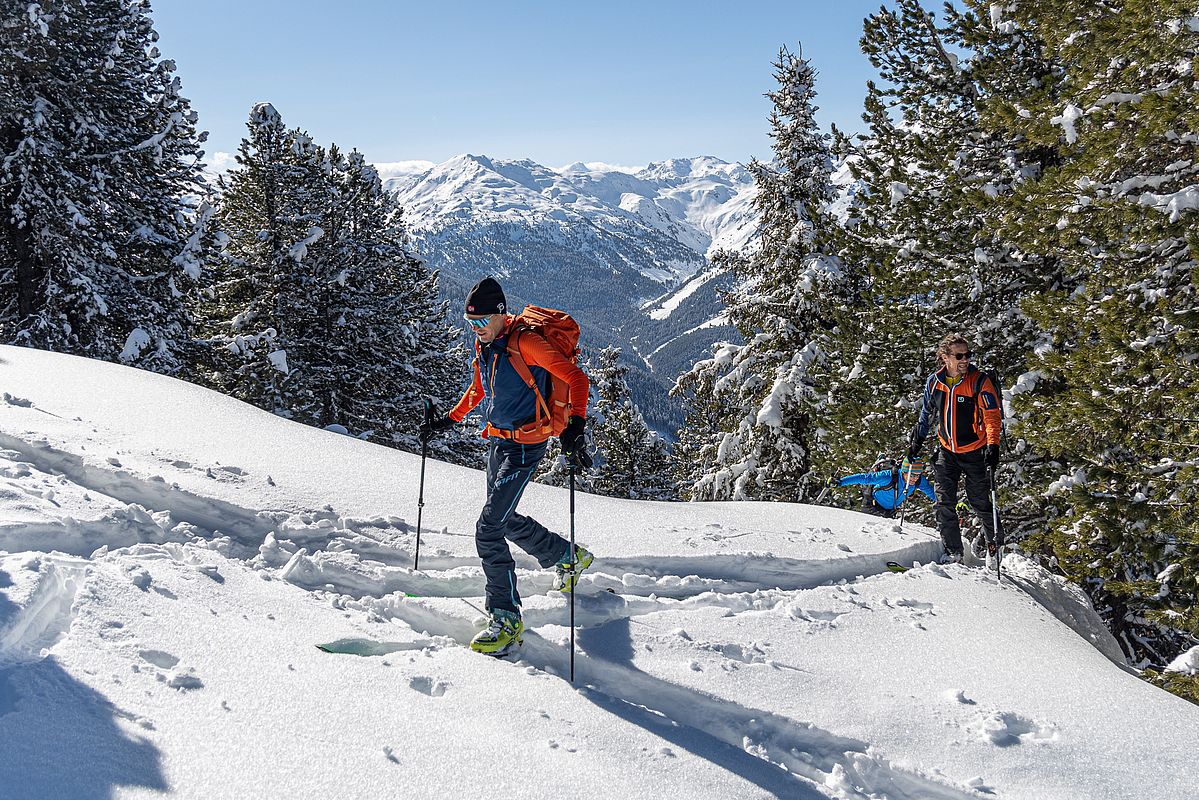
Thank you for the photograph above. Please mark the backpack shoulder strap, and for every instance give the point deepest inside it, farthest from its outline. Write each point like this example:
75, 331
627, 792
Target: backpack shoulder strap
516, 359
522, 369
978, 382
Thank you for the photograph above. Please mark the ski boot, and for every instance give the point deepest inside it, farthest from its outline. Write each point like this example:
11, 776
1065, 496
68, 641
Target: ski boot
503, 634
979, 546
992, 557
567, 574
951, 557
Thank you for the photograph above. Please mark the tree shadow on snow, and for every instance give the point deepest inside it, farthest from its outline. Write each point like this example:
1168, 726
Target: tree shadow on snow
60, 738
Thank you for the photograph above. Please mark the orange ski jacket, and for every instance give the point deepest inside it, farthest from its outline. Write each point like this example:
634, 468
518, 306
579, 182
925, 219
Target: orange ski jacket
510, 402
967, 413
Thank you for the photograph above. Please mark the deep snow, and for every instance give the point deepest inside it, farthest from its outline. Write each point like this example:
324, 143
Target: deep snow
169, 558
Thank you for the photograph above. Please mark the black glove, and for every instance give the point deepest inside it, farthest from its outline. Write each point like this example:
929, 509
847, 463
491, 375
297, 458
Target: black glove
433, 427
914, 450
991, 455
574, 443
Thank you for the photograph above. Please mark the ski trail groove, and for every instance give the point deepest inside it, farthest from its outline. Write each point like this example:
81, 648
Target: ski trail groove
204, 512
47, 616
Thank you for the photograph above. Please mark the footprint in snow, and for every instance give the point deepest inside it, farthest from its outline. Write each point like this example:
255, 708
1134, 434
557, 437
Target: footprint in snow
159, 658
817, 616
744, 654
1007, 729
917, 607
427, 685
139, 576
183, 680
958, 696
211, 570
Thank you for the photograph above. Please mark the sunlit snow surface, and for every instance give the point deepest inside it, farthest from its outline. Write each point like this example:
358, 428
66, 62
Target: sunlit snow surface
169, 558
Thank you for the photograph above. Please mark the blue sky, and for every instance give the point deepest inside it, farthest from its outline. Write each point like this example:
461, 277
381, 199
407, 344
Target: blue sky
618, 81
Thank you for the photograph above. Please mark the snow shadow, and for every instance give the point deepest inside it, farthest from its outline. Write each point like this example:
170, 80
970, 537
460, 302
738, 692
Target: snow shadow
60, 738
773, 780
782, 756
613, 643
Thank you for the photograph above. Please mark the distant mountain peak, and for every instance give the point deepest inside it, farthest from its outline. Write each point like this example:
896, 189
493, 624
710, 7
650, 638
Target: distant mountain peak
700, 203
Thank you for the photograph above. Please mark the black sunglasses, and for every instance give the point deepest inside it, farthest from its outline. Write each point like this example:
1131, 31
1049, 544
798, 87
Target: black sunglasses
960, 356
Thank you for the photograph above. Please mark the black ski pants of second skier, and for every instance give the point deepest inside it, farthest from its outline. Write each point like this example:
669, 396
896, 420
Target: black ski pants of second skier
949, 469
510, 467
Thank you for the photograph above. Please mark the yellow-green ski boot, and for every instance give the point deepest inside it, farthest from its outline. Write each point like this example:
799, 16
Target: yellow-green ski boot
566, 575
503, 634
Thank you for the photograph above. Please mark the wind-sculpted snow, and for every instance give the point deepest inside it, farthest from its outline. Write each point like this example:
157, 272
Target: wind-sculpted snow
169, 561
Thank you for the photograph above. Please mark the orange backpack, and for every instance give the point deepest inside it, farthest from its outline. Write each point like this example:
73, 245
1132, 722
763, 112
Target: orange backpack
562, 333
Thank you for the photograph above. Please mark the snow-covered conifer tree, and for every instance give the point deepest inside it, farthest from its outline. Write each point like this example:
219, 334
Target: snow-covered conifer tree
1112, 396
98, 149
699, 438
782, 309
318, 310
267, 222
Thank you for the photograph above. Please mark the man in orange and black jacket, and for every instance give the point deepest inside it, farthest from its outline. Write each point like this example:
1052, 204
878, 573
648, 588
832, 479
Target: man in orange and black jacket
965, 404
516, 447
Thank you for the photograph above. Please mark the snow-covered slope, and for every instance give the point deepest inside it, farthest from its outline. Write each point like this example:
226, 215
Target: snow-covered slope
169, 557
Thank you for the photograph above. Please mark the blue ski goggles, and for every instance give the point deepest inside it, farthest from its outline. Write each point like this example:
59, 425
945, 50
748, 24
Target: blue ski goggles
478, 323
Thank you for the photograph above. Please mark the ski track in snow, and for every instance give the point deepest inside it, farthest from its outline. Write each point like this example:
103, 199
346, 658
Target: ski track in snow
365, 565
47, 616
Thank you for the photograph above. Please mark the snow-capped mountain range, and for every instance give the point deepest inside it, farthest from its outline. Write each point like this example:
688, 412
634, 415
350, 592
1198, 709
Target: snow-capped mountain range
626, 252
700, 203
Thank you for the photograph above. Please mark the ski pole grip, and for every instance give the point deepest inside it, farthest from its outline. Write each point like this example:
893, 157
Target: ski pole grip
428, 410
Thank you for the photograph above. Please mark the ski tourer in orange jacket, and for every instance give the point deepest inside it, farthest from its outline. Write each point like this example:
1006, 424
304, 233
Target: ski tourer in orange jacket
517, 442
510, 405
966, 410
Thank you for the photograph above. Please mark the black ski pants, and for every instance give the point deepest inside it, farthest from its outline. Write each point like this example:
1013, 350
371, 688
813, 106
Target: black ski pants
510, 467
949, 469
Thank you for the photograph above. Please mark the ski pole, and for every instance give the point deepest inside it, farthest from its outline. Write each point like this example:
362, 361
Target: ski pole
995, 526
572, 569
903, 505
420, 501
